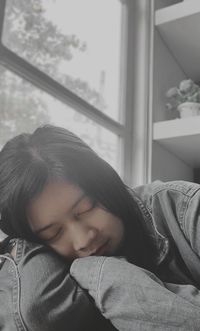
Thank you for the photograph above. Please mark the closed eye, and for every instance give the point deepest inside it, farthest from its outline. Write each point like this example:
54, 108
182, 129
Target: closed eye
55, 237
78, 214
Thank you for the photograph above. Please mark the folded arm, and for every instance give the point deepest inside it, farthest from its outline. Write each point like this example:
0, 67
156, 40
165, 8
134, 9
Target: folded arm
135, 299
50, 299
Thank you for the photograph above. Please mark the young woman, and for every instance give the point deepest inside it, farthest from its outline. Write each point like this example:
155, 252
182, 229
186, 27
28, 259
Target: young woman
52, 185
56, 191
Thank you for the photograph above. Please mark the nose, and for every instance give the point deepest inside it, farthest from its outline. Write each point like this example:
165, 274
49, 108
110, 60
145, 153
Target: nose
83, 239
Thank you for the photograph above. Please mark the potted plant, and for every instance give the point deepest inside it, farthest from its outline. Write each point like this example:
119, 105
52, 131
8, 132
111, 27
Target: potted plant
185, 98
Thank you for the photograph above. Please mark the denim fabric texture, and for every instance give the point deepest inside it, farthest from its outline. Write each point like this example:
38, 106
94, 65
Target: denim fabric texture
37, 293
134, 299
171, 216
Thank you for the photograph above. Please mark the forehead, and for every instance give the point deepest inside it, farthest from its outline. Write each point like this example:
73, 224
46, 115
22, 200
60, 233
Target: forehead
54, 201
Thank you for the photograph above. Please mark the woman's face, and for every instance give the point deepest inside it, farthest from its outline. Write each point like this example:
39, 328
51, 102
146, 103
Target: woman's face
72, 224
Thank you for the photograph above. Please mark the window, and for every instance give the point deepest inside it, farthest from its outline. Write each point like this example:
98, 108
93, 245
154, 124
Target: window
67, 40
75, 42
24, 107
83, 65
61, 63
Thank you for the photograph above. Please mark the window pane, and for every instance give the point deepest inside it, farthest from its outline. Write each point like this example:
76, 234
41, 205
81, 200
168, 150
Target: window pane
76, 42
25, 107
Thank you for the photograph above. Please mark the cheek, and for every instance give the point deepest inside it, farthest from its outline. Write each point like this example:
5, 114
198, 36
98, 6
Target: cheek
63, 247
111, 224
118, 229
63, 251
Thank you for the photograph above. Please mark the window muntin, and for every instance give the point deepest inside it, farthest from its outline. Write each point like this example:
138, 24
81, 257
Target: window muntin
83, 54
24, 107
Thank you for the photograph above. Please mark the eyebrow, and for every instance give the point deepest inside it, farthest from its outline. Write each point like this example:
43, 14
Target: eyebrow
71, 208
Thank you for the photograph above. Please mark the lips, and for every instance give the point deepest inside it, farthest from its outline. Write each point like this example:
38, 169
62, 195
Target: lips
100, 249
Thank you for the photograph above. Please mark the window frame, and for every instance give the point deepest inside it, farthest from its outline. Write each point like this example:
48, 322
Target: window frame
135, 165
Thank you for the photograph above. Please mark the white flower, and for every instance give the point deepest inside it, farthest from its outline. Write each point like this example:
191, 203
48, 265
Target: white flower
186, 85
172, 92
187, 91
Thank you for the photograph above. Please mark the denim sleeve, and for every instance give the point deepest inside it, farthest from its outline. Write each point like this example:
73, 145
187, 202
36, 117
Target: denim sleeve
175, 211
177, 204
50, 299
191, 222
135, 299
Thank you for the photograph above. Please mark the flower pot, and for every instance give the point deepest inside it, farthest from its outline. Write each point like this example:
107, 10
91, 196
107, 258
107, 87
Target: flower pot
189, 109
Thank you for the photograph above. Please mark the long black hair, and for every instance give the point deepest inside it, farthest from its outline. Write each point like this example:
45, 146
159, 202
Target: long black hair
29, 161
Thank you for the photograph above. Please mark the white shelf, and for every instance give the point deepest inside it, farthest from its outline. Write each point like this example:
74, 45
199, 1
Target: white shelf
181, 137
179, 26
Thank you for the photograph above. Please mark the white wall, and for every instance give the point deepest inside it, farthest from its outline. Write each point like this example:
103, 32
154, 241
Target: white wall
165, 3
167, 73
167, 166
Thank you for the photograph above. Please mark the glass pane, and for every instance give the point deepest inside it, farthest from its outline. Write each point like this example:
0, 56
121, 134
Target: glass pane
76, 42
25, 107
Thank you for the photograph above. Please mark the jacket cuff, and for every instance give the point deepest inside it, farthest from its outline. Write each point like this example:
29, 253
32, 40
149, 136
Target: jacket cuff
87, 271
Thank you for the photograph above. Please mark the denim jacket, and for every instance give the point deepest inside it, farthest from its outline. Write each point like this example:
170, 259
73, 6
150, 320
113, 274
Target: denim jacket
171, 216
37, 293
134, 299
